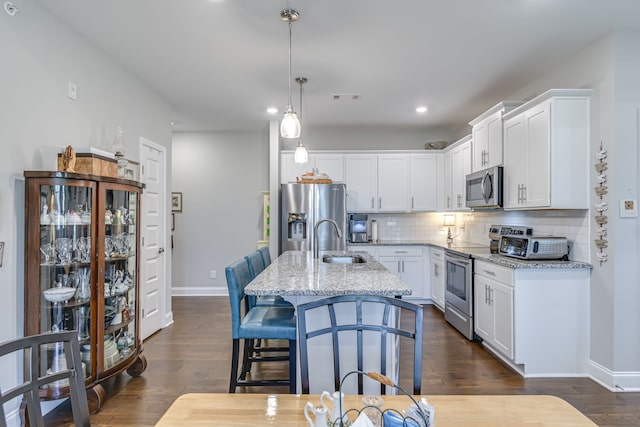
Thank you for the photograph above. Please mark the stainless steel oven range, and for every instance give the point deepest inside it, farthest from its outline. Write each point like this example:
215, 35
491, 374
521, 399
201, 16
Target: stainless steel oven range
458, 310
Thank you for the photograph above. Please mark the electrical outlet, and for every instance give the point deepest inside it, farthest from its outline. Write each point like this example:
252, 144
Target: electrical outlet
213, 274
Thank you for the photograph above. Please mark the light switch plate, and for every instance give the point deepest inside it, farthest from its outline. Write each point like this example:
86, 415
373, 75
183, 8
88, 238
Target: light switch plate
628, 208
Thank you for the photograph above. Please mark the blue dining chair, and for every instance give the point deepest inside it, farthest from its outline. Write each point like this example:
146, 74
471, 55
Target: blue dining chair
257, 323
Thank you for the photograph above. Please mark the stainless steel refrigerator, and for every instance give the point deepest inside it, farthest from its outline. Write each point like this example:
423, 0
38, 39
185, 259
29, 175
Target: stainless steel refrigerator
302, 206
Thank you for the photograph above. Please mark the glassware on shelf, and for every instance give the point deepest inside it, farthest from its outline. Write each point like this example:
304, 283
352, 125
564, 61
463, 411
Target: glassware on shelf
124, 344
49, 252
84, 286
82, 322
64, 249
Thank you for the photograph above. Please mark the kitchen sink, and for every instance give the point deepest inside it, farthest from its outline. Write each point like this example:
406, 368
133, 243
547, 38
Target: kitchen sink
344, 259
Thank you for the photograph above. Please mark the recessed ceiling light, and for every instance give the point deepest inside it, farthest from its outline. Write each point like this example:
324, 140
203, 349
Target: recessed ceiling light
272, 110
421, 109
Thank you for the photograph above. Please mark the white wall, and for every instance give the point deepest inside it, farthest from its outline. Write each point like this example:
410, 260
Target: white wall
346, 138
611, 66
625, 184
221, 176
39, 57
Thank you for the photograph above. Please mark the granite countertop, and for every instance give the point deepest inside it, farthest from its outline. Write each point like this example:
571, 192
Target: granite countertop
481, 251
510, 262
298, 273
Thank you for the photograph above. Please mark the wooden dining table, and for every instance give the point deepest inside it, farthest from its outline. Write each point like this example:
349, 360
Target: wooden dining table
200, 409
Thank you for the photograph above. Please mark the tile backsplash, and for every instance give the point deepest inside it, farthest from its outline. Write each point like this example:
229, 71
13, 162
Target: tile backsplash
474, 226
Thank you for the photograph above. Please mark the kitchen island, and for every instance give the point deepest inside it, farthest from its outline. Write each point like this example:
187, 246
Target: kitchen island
298, 274
299, 278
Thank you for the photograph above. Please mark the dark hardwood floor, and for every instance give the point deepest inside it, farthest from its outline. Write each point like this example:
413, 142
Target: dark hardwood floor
193, 355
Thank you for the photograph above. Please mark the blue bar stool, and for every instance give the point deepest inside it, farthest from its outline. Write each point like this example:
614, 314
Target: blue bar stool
266, 255
255, 261
257, 323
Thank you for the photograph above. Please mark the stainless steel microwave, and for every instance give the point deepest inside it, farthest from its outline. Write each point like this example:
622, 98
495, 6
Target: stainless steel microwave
484, 189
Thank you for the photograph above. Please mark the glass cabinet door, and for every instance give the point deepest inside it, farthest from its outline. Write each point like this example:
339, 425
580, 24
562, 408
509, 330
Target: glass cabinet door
64, 255
119, 217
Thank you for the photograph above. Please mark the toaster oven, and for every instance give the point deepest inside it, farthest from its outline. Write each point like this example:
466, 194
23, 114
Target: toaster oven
532, 247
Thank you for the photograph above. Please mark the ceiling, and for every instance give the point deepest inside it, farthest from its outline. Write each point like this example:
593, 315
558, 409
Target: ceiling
221, 63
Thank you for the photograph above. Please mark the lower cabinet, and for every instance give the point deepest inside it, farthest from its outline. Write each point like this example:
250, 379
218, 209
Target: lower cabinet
494, 313
534, 319
406, 262
437, 277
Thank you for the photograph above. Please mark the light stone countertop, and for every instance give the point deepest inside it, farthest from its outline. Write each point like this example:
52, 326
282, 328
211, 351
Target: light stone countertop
532, 264
480, 251
298, 273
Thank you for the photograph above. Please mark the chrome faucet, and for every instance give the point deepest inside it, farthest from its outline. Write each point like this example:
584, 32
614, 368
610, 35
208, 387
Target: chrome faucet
315, 233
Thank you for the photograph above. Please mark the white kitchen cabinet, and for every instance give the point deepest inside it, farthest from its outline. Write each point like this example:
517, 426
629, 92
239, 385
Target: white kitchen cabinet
290, 170
362, 182
486, 148
437, 277
546, 144
407, 263
393, 183
423, 182
534, 319
493, 307
448, 191
330, 163
457, 166
377, 183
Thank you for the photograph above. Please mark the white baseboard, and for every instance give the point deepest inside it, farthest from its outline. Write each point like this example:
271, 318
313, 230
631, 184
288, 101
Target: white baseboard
614, 381
197, 291
168, 319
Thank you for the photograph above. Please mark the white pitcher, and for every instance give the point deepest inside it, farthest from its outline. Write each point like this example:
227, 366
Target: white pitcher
337, 399
320, 414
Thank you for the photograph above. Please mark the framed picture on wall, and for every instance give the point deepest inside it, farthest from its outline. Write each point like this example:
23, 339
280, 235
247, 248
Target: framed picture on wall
176, 202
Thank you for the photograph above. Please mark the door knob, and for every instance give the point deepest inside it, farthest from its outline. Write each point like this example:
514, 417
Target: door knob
160, 250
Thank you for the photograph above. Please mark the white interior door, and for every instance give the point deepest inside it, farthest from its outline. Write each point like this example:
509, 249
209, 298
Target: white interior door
153, 262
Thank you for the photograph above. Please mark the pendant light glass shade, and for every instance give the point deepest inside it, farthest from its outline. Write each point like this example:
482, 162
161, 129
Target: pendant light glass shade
301, 155
290, 124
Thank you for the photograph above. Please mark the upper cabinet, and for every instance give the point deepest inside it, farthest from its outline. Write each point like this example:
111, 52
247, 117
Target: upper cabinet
487, 138
393, 183
362, 182
377, 181
546, 145
425, 174
330, 163
457, 164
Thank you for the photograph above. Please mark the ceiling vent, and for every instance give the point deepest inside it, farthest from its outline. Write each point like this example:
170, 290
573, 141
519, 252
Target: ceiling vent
346, 96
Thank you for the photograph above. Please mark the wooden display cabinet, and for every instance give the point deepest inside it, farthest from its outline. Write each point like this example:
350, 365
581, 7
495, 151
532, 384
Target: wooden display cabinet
82, 273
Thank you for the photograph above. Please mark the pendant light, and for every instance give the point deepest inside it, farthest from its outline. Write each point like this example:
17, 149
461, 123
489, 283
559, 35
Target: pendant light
301, 155
290, 125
